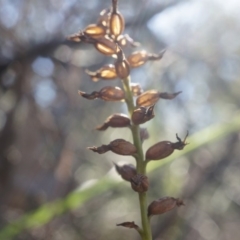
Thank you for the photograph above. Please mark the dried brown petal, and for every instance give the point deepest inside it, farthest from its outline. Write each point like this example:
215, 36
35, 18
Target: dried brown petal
136, 89
112, 94
163, 149
139, 183
115, 120
159, 150
102, 149
122, 147
118, 146
142, 115
163, 205
121, 65
154, 56
106, 46
107, 72
108, 93
116, 24
126, 171
169, 96
81, 37
94, 31
148, 98
89, 96
129, 225
138, 58
116, 21
122, 69
76, 37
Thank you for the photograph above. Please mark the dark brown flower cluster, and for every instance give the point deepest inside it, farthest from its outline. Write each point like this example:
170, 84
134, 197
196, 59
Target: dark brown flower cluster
107, 37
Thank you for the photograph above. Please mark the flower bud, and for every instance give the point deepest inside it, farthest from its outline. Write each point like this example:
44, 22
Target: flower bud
116, 21
126, 171
112, 94
142, 115
164, 149
118, 146
122, 69
107, 72
94, 31
106, 46
150, 97
107, 94
138, 58
121, 65
163, 205
136, 89
139, 183
122, 147
115, 120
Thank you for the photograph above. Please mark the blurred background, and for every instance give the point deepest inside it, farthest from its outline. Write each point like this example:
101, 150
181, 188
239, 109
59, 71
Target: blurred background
45, 126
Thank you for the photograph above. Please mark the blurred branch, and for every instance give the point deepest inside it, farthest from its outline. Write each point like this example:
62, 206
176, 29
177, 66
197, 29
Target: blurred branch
7, 134
76, 199
40, 49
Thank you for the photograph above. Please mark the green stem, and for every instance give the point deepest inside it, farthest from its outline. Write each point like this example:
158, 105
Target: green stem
141, 166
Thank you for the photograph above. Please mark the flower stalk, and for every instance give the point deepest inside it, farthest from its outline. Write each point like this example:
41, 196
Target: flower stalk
107, 37
141, 165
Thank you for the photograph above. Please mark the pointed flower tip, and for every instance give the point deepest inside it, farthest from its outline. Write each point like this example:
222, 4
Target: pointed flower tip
180, 202
136, 44
90, 73
81, 93
128, 225
101, 127
76, 37
92, 148
126, 171
157, 56
161, 53
169, 96
100, 150
184, 140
